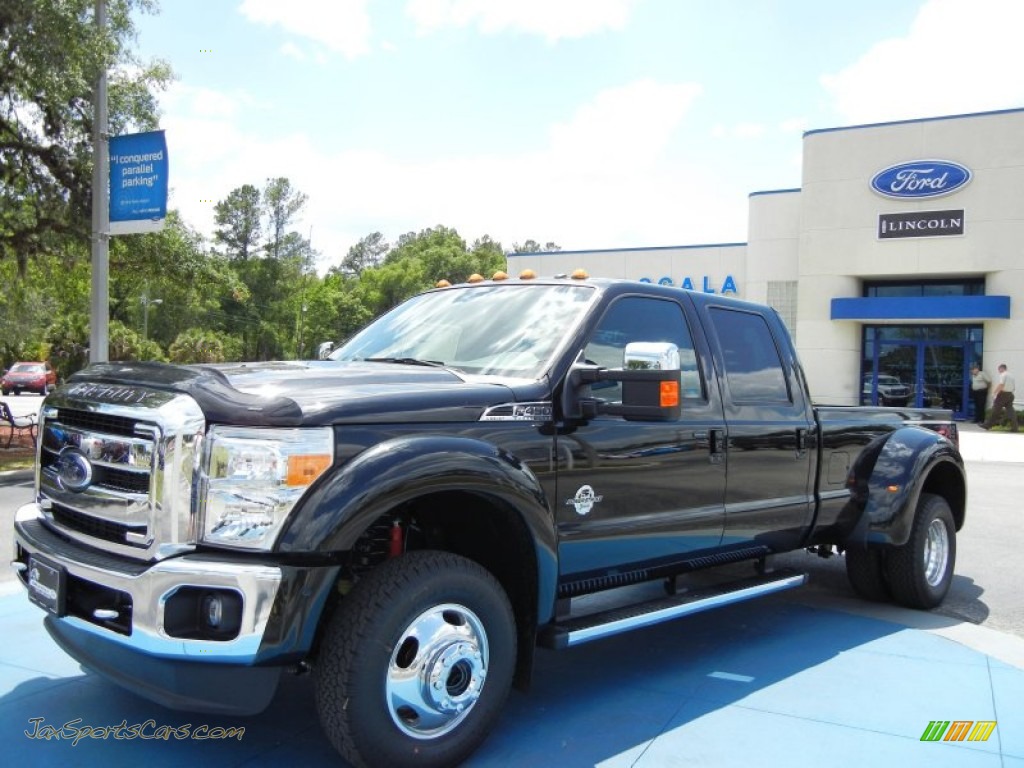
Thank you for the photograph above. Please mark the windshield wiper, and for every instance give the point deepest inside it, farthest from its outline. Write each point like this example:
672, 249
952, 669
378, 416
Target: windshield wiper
405, 361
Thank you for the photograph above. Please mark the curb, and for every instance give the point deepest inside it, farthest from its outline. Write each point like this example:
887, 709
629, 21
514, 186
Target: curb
15, 476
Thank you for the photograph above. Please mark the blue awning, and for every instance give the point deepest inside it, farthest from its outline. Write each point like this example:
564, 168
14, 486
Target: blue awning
922, 308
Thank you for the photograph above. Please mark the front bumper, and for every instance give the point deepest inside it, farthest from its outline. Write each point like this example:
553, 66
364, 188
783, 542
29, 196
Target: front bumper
17, 387
113, 618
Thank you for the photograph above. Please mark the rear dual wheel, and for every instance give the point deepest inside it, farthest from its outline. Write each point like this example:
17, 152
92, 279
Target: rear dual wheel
920, 572
917, 574
865, 568
416, 663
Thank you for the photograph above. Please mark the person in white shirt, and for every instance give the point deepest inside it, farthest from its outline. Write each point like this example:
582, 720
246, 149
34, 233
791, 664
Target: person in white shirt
1003, 401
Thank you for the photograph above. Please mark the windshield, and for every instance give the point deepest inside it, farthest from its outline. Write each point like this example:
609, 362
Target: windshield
503, 330
26, 368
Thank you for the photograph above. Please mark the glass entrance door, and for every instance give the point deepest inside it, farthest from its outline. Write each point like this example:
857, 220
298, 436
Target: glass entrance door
945, 378
924, 366
889, 379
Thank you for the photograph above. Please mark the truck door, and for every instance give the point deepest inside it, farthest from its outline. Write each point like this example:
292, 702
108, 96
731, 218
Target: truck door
636, 493
769, 493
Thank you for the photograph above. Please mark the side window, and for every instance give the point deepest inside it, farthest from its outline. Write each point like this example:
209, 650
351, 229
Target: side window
641, 319
753, 368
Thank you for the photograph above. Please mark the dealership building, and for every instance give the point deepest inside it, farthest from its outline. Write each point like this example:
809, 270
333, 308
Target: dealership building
896, 264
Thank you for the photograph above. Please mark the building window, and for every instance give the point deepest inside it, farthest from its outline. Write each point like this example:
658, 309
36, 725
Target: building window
782, 298
900, 288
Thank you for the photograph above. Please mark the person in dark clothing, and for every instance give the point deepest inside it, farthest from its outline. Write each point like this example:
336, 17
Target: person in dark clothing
980, 382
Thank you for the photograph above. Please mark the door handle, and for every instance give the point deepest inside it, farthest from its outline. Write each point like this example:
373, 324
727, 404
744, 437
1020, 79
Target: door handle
716, 445
801, 443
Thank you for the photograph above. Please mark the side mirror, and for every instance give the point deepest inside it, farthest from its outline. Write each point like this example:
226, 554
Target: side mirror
650, 380
324, 349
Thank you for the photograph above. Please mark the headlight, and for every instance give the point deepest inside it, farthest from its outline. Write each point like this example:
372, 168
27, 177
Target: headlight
251, 479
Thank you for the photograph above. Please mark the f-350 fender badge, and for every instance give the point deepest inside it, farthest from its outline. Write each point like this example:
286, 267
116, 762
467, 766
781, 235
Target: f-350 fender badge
584, 500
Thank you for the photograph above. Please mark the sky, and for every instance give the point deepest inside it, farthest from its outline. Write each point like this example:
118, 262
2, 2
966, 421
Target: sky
587, 123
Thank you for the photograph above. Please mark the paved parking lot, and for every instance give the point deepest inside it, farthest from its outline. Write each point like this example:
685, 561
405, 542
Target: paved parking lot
772, 682
799, 679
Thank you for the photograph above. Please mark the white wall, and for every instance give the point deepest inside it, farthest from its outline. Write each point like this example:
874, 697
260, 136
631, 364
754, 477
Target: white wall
839, 248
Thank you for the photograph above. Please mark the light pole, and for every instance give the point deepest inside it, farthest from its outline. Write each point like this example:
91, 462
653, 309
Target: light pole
146, 301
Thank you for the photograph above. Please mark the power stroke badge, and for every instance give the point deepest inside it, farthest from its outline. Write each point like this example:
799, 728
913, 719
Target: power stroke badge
584, 500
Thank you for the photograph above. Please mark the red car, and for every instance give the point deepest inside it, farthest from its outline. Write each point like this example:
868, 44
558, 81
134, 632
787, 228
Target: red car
29, 377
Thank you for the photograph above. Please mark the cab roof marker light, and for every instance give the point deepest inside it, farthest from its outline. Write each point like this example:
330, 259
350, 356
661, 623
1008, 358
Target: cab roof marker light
580, 274
475, 278
499, 276
442, 284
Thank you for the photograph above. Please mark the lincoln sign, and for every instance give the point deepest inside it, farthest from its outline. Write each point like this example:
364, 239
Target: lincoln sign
920, 224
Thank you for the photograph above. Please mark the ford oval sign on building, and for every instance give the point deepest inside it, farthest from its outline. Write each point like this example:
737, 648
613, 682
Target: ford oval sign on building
920, 179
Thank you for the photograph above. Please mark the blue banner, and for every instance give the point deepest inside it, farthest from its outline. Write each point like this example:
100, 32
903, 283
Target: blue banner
138, 182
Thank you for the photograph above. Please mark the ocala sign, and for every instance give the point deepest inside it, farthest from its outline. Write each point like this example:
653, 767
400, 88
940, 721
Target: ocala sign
728, 285
920, 178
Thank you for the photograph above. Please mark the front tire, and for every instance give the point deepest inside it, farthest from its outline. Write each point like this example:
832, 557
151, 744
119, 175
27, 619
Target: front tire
921, 571
416, 663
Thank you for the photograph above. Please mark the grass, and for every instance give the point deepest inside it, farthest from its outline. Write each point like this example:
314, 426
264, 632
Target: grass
21, 454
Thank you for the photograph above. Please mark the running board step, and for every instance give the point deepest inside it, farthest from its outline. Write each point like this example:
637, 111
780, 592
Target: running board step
574, 631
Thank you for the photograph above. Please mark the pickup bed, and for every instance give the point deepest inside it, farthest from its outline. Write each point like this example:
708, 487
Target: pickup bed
409, 519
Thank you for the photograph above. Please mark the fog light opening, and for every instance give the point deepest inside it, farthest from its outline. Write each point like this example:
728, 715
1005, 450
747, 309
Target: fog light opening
213, 611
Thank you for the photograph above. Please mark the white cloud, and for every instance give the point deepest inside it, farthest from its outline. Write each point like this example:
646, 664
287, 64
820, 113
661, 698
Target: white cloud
958, 56
292, 51
793, 125
604, 179
343, 26
547, 19
738, 131
748, 130
622, 127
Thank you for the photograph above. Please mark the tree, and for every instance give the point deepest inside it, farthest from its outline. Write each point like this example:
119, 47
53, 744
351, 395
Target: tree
68, 338
419, 260
282, 203
238, 222
532, 246
197, 346
52, 54
368, 252
489, 255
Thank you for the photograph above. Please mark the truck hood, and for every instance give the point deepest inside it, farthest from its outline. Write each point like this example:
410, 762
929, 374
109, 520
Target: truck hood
307, 393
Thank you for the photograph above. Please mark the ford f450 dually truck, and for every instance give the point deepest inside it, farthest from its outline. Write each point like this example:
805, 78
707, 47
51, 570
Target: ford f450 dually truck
412, 517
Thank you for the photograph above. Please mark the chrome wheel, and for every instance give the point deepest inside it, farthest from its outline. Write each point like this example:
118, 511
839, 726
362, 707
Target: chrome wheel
416, 662
936, 552
920, 572
437, 671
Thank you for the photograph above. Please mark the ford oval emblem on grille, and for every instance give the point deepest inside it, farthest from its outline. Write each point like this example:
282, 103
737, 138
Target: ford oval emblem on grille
920, 178
74, 471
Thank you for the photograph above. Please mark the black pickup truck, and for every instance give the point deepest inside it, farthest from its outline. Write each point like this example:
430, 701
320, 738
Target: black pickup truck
411, 518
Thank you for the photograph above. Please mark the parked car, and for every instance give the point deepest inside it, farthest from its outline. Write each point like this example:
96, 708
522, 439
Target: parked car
891, 391
29, 377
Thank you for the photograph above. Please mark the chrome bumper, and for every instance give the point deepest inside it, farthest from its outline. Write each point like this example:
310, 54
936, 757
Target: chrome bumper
150, 586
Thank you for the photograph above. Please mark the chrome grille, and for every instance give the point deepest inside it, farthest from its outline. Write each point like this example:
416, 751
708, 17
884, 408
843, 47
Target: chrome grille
116, 468
94, 526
